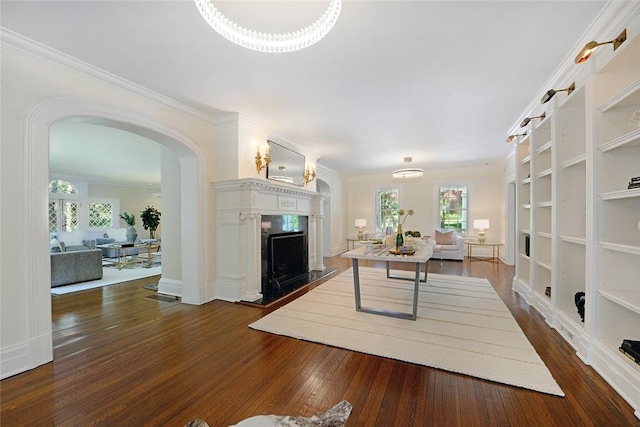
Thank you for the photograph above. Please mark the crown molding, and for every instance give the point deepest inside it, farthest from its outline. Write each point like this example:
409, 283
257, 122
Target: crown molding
29, 48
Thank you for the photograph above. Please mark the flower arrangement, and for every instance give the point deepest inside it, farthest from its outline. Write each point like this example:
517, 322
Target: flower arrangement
402, 212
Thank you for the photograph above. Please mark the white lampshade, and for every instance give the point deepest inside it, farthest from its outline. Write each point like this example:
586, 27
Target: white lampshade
481, 224
361, 223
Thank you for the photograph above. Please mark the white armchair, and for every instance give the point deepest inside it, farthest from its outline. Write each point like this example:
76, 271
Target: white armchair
449, 245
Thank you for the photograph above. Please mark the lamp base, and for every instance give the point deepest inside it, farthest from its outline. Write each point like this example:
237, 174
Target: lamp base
481, 237
361, 234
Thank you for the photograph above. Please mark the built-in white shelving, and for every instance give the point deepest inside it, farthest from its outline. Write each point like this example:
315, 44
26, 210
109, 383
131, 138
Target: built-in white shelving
582, 222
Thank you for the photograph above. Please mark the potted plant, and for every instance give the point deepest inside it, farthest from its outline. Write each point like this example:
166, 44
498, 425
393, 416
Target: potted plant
150, 217
130, 220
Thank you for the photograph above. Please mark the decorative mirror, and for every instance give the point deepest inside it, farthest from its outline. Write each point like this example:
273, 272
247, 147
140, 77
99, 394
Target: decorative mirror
286, 165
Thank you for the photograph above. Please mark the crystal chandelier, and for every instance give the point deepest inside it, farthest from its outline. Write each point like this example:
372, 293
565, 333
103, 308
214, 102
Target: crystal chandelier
270, 42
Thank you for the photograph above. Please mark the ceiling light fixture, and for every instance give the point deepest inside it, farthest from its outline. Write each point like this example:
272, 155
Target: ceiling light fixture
270, 42
590, 47
406, 173
528, 119
512, 137
552, 92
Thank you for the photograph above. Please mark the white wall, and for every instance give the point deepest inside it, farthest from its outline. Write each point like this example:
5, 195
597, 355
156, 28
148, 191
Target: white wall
486, 198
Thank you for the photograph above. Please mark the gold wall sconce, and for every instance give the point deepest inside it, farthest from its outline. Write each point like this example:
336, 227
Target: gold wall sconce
590, 47
552, 92
309, 175
512, 137
260, 163
528, 119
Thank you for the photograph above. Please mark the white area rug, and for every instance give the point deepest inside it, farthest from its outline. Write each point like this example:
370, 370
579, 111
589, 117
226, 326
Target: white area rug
110, 276
463, 326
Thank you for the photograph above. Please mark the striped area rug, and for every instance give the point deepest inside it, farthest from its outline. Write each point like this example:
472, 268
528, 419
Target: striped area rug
463, 326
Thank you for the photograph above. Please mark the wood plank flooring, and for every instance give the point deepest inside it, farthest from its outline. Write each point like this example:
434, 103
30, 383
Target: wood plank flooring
124, 359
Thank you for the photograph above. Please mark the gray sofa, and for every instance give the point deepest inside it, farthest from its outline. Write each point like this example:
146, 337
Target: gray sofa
75, 267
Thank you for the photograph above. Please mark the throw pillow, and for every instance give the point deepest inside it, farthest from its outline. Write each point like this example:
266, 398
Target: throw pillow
119, 234
71, 238
54, 245
444, 238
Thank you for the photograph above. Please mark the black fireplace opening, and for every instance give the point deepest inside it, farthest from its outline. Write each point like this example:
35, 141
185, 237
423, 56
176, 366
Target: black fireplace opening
287, 259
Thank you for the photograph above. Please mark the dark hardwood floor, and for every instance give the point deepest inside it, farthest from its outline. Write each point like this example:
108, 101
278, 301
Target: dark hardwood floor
124, 357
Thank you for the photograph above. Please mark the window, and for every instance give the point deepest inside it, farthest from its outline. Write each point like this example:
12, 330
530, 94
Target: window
100, 215
386, 200
453, 207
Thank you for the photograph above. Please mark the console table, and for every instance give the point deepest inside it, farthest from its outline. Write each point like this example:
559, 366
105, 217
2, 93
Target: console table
421, 256
495, 248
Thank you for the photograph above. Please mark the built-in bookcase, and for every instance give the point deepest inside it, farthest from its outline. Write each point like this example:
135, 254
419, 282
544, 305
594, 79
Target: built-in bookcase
617, 254
573, 171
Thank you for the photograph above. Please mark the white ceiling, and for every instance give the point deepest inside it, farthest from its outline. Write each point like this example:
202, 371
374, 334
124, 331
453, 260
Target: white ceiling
441, 81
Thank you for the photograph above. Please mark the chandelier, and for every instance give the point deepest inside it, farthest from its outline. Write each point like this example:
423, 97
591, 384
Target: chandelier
270, 42
407, 173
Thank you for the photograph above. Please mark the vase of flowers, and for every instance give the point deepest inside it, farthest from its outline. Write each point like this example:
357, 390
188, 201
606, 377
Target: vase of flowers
401, 220
130, 220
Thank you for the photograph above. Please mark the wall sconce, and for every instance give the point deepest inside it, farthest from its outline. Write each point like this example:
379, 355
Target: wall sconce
590, 47
512, 137
552, 92
259, 162
361, 224
309, 175
528, 119
481, 225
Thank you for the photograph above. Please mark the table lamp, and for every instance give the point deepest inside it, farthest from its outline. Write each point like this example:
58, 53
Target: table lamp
481, 225
361, 224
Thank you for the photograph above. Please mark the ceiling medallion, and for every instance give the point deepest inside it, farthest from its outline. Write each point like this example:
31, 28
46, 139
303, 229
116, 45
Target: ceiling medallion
270, 42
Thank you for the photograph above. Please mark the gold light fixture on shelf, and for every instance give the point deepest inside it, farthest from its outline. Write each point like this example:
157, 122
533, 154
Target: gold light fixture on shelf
590, 47
528, 119
552, 92
260, 163
309, 175
406, 173
512, 137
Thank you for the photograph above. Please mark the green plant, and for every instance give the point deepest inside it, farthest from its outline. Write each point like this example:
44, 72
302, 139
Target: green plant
129, 219
150, 217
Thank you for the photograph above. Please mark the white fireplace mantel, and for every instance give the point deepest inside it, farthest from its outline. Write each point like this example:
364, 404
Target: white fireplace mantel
240, 204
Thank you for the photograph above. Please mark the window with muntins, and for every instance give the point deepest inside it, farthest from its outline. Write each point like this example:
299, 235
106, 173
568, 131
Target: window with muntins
453, 207
386, 209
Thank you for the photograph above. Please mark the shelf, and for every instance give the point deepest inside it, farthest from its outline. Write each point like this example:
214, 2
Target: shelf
631, 139
627, 299
525, 231
578, 160
546, 204
546, 172
526, 181
625, 247
573, 239
572, 314
627, 97
543, 234
527, 206
621, 194
546, 146
525, 257
525, 160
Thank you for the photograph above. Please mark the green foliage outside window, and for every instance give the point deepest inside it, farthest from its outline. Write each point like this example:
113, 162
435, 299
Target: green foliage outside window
387, 209
453, 207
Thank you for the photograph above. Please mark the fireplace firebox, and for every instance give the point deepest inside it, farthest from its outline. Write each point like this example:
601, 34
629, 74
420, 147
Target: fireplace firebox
287, 255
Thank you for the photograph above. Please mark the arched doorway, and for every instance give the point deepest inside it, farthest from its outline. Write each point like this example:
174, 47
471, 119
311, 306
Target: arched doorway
193, 205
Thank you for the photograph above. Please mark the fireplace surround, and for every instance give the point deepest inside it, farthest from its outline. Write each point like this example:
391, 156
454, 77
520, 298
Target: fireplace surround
248, 211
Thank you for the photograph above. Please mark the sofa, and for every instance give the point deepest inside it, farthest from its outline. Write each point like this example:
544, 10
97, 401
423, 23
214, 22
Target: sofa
75, 266
70, 241
449, 245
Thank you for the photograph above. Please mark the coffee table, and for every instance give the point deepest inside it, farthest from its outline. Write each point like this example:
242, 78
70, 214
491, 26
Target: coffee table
124, 258
421, 256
